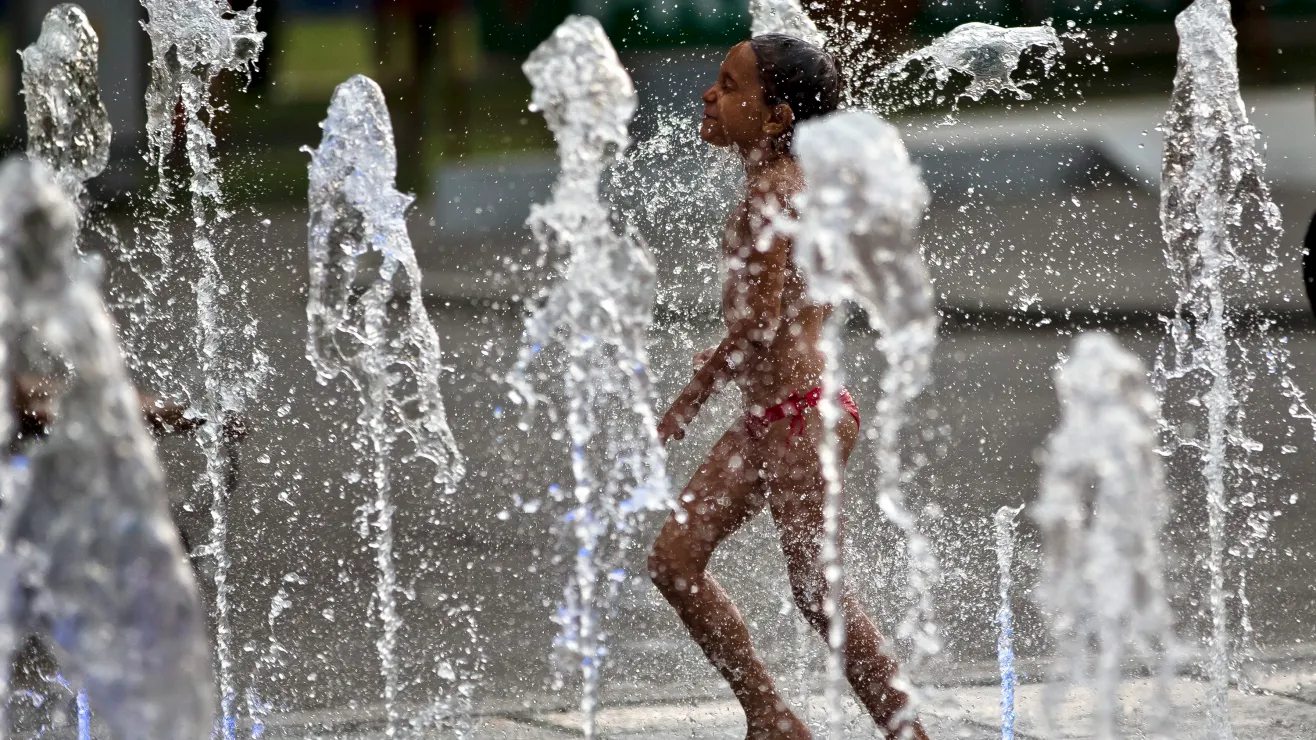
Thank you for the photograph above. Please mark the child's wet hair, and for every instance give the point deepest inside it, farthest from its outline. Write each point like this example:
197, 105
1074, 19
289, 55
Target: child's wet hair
798, 74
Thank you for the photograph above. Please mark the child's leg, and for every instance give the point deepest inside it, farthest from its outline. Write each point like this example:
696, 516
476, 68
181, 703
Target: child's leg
722, 495
795, 476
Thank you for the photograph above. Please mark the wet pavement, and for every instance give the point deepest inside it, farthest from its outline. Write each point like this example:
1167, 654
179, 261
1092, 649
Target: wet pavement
1279, 708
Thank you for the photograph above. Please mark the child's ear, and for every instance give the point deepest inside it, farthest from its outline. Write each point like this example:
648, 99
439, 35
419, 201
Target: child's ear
780, 118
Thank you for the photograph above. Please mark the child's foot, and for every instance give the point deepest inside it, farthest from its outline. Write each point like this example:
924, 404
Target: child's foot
781, 724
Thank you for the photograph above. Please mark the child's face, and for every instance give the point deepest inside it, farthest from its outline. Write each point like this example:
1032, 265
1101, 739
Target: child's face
735, 112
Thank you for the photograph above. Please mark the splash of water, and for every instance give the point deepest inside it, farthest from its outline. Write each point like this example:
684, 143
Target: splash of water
1103, 505
676, 213
67, 126
81, 705
356, 330
271, 664
450, 712
1005, 523
84, 715
784, 16
13, 486
604, 299
91, 531
989, 56
856, 242
1216, 212
192, 42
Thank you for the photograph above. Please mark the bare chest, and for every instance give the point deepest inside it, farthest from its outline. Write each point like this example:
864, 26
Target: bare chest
737, 241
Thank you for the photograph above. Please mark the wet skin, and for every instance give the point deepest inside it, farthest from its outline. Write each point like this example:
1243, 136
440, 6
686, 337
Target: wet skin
770, 350
33, 407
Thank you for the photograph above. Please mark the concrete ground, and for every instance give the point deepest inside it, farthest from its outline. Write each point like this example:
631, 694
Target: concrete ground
1279, 707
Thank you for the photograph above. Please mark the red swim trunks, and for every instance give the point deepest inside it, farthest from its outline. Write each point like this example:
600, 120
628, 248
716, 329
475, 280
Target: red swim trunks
793, 408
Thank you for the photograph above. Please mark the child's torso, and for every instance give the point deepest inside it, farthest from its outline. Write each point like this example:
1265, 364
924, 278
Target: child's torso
791, 361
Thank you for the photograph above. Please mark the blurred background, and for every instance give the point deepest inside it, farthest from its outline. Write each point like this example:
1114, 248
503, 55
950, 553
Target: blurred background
451, 67
476, 157
1043, 223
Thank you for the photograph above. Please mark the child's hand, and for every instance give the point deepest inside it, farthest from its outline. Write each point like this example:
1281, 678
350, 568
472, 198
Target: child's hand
672, 426
166, 417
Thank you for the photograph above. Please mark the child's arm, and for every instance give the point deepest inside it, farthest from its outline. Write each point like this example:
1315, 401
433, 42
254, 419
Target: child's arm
34, 398
747, 337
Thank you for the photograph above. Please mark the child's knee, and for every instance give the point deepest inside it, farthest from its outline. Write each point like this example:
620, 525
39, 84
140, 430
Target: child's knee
670, 570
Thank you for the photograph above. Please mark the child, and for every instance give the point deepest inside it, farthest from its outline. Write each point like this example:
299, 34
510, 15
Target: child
770, 458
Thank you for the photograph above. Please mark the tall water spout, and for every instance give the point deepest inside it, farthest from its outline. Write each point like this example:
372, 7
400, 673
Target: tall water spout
1216, 217
192, 42
1005, 523
856, 243
90, 532
604, 301
13, 484
357, 329
1102, 508
67, 126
